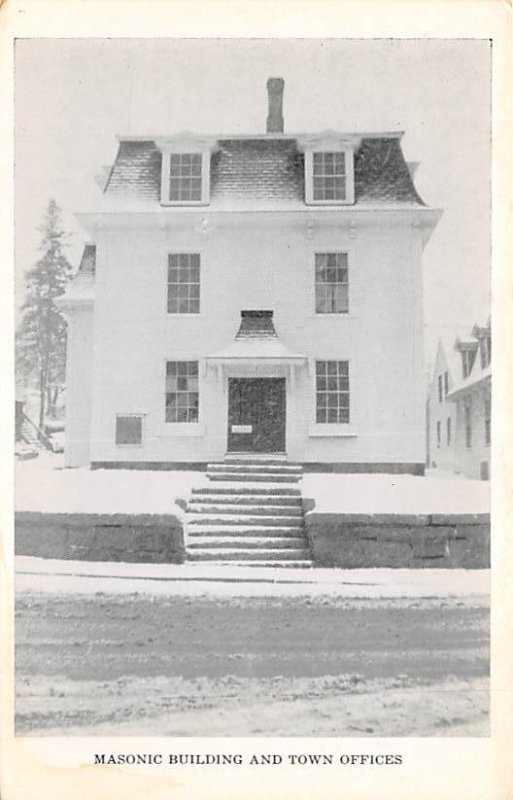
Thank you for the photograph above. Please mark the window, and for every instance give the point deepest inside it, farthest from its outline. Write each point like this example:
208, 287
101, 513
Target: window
331, 283
182, 391
329, 168
486, 351
468, 357
129, 429
440, 390
329, 176
438, 434
332, 391
446, 383
468, 426
185, 177
488, 420
449, 432
183, 283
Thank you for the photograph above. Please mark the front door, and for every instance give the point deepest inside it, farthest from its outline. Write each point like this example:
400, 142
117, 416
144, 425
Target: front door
256, 415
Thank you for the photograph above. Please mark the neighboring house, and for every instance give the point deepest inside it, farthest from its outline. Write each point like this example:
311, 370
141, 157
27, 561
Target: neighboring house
251, 294
460, 406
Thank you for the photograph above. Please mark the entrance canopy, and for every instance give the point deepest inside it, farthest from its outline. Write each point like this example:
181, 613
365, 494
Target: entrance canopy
256, 342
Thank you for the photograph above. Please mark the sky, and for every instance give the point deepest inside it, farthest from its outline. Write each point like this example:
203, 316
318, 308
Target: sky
73, 96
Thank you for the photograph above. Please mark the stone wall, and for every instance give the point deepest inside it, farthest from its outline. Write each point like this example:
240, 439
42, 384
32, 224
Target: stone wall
150, 538
401, 541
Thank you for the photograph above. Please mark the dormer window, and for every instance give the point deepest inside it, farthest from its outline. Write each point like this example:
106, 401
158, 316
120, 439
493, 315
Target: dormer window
185, 177
329, 177
329, 168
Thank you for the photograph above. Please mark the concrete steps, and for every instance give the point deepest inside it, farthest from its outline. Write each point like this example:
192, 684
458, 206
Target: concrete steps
248, 514
242, 555
236, 490
257, 477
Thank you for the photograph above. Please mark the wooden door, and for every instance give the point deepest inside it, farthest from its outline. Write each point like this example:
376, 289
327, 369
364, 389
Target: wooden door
256, 415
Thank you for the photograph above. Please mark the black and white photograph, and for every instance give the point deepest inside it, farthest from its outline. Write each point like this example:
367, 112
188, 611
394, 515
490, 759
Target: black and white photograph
253, 347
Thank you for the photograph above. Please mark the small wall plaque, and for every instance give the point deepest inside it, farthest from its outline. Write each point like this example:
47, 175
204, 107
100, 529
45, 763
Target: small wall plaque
242, 428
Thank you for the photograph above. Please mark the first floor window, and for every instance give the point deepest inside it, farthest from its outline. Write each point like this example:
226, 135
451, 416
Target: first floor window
331, 283
488, 420
332, 391
449, 432
438, 435
128, 429
182, 391
183, 283
468, 426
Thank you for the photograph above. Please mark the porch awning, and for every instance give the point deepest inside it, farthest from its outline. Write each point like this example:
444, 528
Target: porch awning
256, 341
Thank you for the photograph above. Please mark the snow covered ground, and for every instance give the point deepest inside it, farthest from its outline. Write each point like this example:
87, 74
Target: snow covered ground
396, 494
43, 484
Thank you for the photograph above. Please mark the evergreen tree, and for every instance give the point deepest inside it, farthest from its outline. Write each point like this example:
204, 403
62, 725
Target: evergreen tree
41, 334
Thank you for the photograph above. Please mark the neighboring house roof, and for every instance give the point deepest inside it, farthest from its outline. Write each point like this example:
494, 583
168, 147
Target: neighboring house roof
81, 288
266, 168
478, 373
88, 261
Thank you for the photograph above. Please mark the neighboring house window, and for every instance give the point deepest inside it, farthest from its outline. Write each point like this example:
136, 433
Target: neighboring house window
329, 176
438, 435
185, 176
446, 383
486, 351
128, 429
468, 357
468, 426
183, 283
449, 432
331, 283
488, 420
332, 391
182, 391
440, 390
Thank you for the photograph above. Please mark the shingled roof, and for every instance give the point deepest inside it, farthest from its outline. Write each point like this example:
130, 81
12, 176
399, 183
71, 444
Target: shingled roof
266, 168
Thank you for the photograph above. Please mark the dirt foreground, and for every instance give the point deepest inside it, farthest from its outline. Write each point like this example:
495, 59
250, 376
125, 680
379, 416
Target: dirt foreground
108, 664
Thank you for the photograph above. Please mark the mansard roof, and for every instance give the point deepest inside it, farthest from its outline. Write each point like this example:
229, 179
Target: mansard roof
266, 168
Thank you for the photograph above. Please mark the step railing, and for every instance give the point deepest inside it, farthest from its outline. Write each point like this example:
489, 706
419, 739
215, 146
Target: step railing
40, 435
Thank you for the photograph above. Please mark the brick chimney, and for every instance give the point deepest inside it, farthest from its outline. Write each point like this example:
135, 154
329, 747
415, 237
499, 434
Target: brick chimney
275, 97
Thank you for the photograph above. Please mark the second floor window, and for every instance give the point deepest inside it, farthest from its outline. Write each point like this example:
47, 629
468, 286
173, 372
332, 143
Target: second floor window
440, 390
183, 283
331, 283
332, 391
185, 177
446, 383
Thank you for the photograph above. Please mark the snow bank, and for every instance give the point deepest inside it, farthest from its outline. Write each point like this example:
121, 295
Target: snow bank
396, 494
44, 485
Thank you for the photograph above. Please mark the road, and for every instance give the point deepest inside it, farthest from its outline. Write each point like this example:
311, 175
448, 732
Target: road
310, 664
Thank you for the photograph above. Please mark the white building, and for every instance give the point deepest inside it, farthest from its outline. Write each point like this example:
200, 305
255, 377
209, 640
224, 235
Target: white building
459, 427
256, 294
